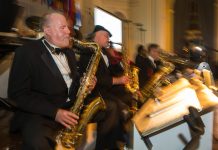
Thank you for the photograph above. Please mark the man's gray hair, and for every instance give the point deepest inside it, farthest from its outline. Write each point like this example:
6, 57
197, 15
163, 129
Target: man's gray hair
46, 18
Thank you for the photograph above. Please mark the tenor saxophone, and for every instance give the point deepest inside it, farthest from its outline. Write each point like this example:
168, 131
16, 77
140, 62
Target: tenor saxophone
149, 89
131, 72
69, 139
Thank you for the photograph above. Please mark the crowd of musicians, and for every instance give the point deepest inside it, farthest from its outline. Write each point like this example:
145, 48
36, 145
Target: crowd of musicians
45, 77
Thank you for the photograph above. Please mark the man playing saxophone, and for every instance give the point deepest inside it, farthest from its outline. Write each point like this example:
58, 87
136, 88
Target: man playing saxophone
43, 83
147, 64
119, 66
109, 128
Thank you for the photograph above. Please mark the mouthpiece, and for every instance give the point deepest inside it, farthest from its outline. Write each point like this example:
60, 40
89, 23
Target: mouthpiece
111, 42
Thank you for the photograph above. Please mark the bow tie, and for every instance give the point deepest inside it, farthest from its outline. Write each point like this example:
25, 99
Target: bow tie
58, 50
52, 49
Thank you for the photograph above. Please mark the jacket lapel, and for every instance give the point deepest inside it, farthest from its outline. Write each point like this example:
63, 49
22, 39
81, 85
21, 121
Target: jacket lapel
50, 63
71, 62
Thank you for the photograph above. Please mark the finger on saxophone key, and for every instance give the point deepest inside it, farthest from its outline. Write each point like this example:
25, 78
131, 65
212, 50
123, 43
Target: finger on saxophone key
66, 118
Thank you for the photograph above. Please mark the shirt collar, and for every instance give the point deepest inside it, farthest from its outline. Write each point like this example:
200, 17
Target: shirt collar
151, 58
51, 44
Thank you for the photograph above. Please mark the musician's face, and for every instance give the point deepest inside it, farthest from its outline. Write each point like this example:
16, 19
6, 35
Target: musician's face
155, 53
57, 31
102, 38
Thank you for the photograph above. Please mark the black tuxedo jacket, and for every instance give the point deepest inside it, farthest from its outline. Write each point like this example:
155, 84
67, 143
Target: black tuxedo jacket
104, 78
109, 123
104, 85
36, 84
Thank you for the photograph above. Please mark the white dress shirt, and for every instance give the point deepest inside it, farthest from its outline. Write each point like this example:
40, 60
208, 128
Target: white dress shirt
152, 60
62, 64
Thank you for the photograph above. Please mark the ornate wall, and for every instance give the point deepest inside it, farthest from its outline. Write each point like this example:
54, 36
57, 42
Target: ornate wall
155, 16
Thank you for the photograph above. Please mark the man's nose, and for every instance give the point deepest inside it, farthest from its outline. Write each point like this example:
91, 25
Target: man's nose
67, 30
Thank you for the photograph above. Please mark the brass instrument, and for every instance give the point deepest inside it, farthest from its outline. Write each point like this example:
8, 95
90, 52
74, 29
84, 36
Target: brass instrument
149, 89
69, 139
173, 101
131, 72
133, 84
175, 59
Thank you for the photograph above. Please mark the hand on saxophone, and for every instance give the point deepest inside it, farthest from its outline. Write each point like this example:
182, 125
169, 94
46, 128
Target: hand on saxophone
66, 118
121, 80
139, 95
92, 84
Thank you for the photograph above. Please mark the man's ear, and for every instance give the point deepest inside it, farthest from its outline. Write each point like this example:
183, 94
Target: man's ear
47, 30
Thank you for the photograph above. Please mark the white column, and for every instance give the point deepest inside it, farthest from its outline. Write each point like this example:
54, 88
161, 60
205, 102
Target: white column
169, 25
87, 17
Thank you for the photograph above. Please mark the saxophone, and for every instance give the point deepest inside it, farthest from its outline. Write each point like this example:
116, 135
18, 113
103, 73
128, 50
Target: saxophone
69, 139
148, 90
131, 72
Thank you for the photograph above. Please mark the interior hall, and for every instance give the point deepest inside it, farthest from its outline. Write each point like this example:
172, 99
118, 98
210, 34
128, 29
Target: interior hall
161, 56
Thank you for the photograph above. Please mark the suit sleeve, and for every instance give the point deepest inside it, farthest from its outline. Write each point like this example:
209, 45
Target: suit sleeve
104, 77
20, 90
